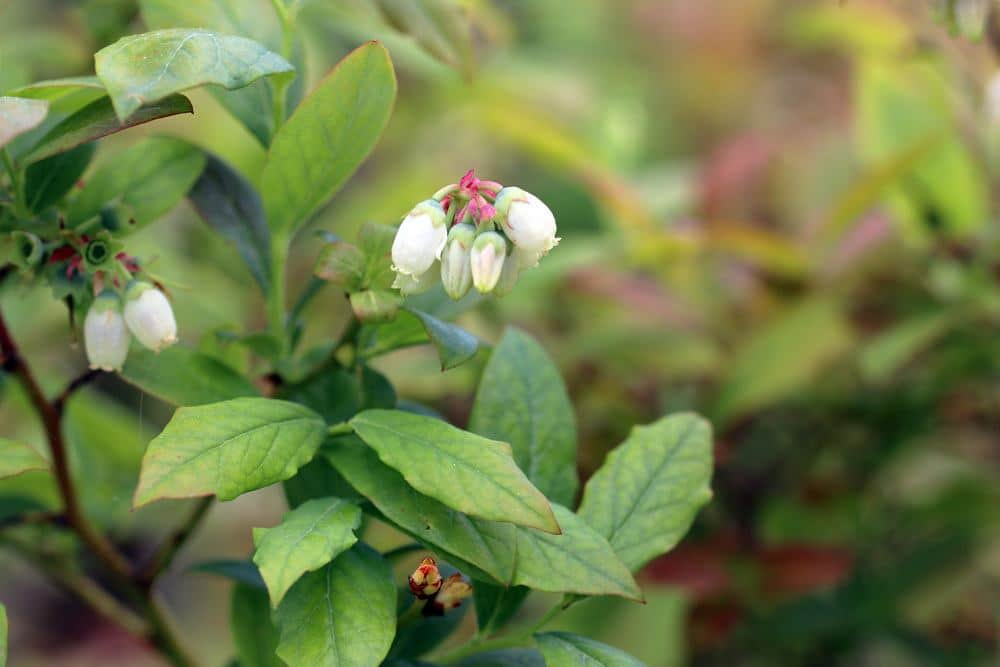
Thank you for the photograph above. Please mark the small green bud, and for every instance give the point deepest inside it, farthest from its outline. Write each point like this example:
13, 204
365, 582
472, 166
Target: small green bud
456, 267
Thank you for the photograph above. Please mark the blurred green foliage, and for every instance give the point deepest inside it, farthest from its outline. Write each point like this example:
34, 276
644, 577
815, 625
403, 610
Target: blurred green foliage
782, 214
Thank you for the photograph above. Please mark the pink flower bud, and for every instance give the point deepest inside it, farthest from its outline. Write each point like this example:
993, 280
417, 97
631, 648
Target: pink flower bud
149, 316
105, 336
486, 260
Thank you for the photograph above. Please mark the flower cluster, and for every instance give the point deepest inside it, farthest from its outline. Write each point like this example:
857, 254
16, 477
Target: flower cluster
442, 594
473, 233
86, 268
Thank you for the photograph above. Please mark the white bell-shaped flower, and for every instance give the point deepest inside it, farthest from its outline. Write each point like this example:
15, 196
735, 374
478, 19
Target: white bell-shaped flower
486, 260
417, 284
456, 263
105, 336
527, 222
420, 239
149, 316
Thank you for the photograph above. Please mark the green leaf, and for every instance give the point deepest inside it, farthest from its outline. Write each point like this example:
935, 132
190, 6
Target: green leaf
522, 400
333, 393
645, 496
376, 390
890, 350
375, 242
228, 448
51, 89
342, 615
48, 181
254, 633
464, 471
97, 119
375, 305
455, 345
139, 69
144, 181
376, 339
563, 649
18, 115
318, 479
232, 207
256, 19
441, 27
342, 264
307, 538
578, 561
495, 605
16, 457
182, 376
328, 137
3, 635
508, 657
473, 545
240, 571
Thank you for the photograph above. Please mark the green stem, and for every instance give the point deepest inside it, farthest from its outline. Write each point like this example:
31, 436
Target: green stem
276, 296
519, 638
280, 83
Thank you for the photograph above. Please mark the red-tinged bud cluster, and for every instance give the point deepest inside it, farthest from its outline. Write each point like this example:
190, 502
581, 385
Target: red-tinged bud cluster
441, 595
425, 581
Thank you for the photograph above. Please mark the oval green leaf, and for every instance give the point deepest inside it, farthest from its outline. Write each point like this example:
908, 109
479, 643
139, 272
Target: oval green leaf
254, 633
329, 135
145, 181
578, 561
454, 344
522, 400
342, 615
308, 537
564, 649
473, 545
645, 496
140, 69
97, 119
228, 448
182, 376
465, 471
16, 457
18, 115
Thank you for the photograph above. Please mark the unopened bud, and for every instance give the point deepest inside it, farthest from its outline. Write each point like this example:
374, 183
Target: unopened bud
105, 336
456, 268
486, 260
453, 591
527, 222
426, 579
420, 239
28, 249
149, 316
509, 274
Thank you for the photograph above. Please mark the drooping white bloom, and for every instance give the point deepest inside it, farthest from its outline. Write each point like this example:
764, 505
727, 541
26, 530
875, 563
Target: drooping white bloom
417, 284
105, 336
456, 266
486, 260
527, 221
149, 316
420, 239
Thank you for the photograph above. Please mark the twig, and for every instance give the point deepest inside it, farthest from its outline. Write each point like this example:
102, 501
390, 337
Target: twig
59, 402
82, 588
47, 412
164, 555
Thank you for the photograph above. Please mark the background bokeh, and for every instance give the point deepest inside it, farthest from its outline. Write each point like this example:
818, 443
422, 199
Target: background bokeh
779, 213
